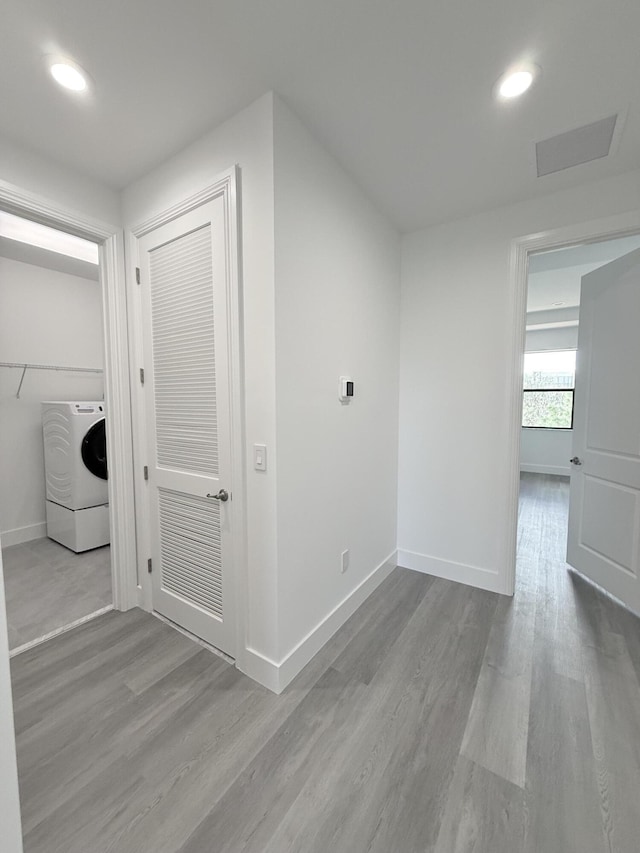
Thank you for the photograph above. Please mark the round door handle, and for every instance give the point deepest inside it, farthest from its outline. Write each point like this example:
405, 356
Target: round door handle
223, 495
576, 460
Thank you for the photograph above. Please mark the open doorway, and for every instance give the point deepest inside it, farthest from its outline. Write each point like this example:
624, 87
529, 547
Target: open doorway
54, 492
549, 413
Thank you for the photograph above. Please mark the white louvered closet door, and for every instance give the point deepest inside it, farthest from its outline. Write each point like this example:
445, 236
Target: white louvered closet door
184, 282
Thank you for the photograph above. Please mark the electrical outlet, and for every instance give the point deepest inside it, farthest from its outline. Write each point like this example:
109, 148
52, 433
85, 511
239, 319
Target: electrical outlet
344, 561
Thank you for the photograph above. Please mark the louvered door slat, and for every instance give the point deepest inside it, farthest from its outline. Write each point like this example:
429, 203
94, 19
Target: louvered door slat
181, 275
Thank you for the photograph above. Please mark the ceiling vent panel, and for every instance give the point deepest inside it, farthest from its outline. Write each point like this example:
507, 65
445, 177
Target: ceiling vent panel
581, 145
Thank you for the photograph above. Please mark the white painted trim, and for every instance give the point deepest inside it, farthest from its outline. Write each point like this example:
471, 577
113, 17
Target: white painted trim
28, 533
136, 360
262, 669
58, 631
14, 199
447, 569
235, 336
567, 324
558, 470
276, 676
226, 184
117, 391
622, 225
119, 435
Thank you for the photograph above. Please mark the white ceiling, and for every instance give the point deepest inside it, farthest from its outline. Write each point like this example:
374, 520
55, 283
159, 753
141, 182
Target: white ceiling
555, 276
398, 90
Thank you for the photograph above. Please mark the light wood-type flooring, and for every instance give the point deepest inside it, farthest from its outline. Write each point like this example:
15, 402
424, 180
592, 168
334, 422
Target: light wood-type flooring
440, 718
48, 586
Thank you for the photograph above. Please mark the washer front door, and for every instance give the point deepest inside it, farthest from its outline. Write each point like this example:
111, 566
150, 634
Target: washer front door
94, 449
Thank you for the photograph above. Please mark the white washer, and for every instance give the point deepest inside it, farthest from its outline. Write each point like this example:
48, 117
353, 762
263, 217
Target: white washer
75, 464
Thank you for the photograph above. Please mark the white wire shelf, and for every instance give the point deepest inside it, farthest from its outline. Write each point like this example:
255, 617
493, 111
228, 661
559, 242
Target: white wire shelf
24, 366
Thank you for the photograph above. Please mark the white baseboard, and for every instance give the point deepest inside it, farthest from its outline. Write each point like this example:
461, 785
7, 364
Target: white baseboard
260, 668
559, 470
459, 572
275, 676
23, 534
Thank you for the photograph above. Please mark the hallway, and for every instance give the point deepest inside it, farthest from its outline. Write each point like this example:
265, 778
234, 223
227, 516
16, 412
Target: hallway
440, 718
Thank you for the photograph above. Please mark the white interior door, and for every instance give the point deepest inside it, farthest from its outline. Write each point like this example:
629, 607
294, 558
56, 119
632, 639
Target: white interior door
184, 278
604, 515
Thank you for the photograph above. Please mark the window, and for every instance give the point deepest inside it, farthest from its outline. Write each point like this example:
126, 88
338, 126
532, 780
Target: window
549, 380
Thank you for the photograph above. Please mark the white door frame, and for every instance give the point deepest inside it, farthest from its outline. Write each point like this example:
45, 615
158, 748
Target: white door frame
226, 185
622, 225
117, 391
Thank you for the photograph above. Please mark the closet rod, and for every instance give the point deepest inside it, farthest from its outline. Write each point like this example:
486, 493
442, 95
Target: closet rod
27, 366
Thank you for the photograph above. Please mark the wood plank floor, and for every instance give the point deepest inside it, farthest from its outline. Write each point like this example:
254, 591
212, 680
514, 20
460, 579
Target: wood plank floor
47, 586
439, 718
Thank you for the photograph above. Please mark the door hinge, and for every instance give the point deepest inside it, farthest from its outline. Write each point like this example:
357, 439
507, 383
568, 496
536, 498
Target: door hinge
149, 565
146, 472
142, 375
137, 275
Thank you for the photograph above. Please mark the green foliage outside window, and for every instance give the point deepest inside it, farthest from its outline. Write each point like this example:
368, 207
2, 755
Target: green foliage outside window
550, 409
549, 379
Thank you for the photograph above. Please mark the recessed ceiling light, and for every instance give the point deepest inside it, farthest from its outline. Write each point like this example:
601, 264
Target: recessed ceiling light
558, 304
515, 82
67, 73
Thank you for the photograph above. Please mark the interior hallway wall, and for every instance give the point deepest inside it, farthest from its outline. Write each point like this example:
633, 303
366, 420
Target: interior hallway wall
455, 397
337, 313
46, 317
246, 140
320, 297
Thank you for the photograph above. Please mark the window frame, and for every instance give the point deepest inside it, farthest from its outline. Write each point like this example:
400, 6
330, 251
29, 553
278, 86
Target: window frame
546, 390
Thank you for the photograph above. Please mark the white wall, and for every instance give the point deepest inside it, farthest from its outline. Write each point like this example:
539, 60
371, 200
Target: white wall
326, 304
247, 140
337, 313
547, 451
46, 317
455, 401
31, 172
9, 799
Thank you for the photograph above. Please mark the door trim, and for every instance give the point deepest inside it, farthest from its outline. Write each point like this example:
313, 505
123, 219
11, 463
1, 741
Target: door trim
14, 199
225, 185
622, 225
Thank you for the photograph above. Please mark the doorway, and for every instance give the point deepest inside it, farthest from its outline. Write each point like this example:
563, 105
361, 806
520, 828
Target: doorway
188, 414
54, 493
109, 241
547, 447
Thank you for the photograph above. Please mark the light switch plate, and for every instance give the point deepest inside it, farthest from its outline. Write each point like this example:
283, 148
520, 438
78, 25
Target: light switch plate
260, 457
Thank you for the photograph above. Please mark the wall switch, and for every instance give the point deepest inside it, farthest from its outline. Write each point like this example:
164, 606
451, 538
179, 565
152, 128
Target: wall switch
344, 565
260, 457
345, 389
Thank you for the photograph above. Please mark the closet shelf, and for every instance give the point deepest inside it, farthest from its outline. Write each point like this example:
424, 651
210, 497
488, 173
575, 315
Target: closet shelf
24, 366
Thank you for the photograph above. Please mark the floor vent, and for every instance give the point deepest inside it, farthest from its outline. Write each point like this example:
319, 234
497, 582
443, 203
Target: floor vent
581, 145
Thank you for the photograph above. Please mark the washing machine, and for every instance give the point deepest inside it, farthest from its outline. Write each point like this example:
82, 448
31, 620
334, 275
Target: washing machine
75, 463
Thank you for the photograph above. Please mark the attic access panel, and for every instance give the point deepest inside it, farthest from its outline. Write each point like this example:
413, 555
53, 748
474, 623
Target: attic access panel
581, 145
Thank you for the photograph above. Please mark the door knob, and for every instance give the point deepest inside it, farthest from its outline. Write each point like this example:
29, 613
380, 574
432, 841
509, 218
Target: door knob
223, 495
576, 460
